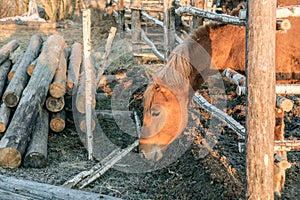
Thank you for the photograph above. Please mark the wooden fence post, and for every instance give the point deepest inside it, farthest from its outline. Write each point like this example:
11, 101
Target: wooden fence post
136, 29
260, 120
169, 28
198, 21
121, 18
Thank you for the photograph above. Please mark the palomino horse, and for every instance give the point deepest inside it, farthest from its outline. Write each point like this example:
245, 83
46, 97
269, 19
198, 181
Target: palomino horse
166, 99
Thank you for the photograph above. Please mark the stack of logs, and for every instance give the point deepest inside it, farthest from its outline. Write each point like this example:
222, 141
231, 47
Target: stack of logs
33, 91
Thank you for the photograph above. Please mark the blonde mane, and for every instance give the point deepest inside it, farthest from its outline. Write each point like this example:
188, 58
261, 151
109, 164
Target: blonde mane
178, 69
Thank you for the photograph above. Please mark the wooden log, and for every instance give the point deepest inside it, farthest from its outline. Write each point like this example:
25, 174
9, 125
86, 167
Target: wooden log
7, 49
17, 189
5, 113
80, 96
4, 69
58, 121
288, 89
14, 142
82, 125
240, 81
233, 124
17, 84
75, 60
36, 155
14, 68
210, 15
31, 67
287, 145
58, 85
55, 104
284, 103
288, 11
283, 24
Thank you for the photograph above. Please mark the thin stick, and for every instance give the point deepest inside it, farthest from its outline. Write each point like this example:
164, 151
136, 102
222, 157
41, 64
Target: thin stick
109, 41
152, 46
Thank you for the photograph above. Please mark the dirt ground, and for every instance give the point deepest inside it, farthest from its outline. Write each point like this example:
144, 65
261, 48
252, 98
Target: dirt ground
218, 175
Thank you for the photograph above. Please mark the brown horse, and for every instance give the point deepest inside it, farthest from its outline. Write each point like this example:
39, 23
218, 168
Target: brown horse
166, 99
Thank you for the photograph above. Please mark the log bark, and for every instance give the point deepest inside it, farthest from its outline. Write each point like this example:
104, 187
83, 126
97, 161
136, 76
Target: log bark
55, 104
14, 142
260, 120
14, 68
5, 113
58, 85
75, 60
36, 155
4, 69
7, 49
17, 189
19, 81
58, 121
31, 67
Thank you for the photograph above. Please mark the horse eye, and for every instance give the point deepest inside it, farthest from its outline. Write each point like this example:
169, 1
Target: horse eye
155, 113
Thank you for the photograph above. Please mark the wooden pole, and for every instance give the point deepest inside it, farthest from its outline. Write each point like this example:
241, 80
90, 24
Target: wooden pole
88, 68
260, 122
136, 27
169, 28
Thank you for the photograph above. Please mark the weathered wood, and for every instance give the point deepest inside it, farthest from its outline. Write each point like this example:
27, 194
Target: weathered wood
136, 27
240, 81
14, 142
7, 49
169, 28
210, 15
80, 96
89, 78
14, 68
288, 11
58, 121
4, 69
108, 45
31, 67
288, 89
5, 113
152, 46
17, 189
233, 124
36, 154
260, 120
287, 145
75, 60
284, 103
283, 24
55, 104
19, 81
58, 85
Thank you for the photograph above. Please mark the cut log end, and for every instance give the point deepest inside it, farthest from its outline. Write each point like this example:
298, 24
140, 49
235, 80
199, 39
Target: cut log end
83, 126
2, 127
57, 90
57, 124
10, 99
10, 157
55, 104
10, 75
30, 69
35, 160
